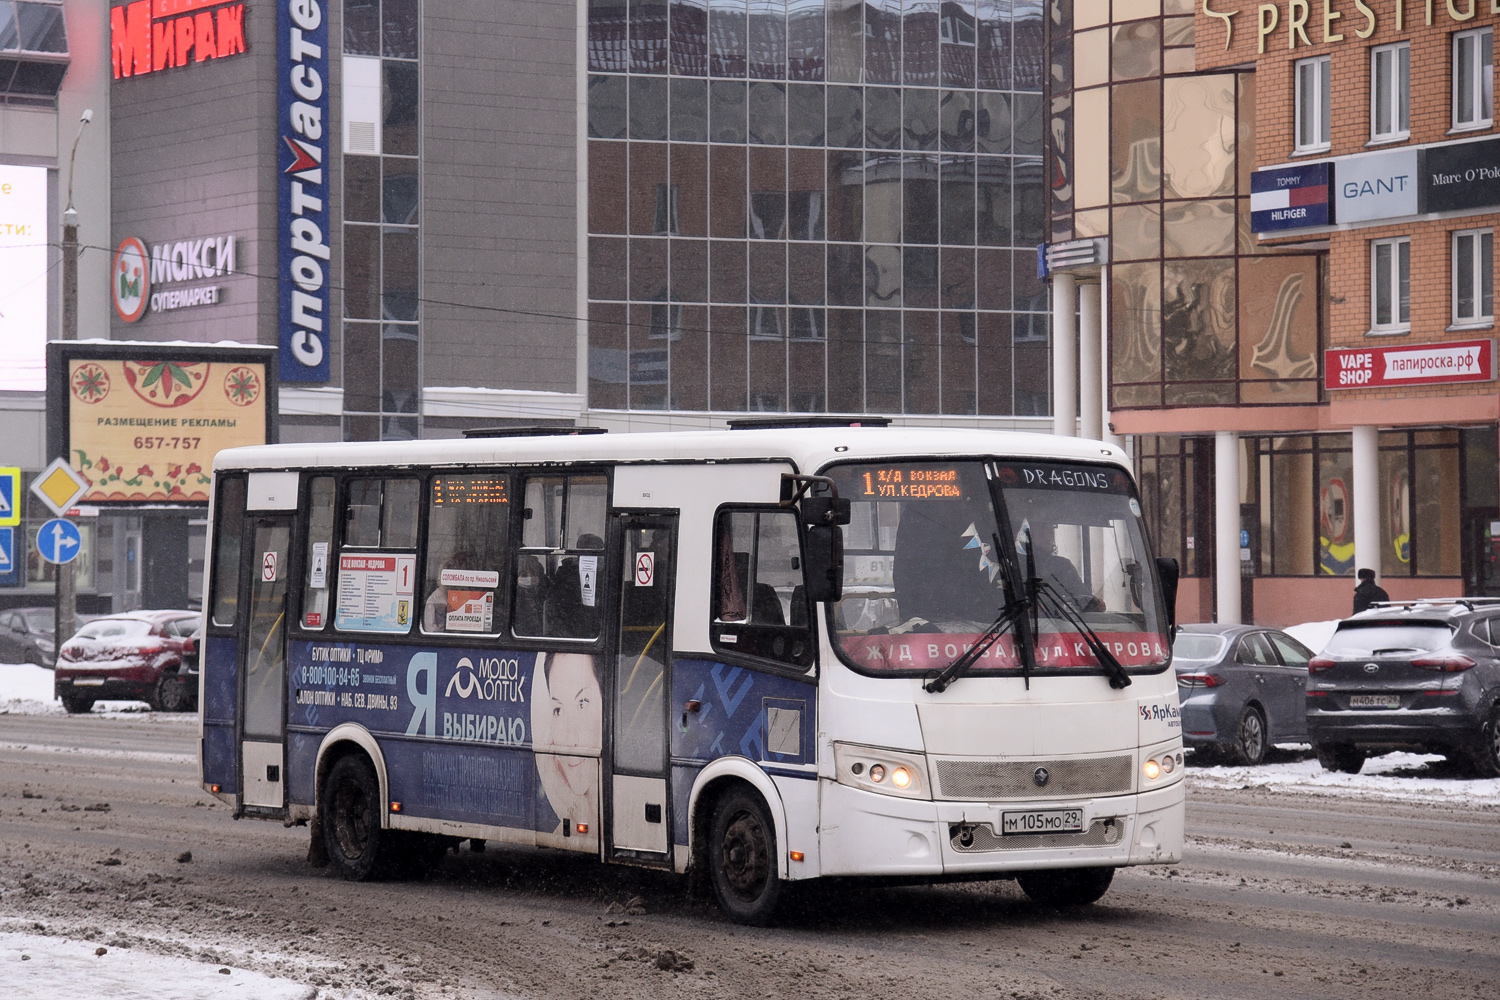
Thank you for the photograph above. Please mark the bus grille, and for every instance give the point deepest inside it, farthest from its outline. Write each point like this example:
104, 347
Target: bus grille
983, 838
1016, 779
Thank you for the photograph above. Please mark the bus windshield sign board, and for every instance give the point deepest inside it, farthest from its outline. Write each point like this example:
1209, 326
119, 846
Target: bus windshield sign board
1410, 364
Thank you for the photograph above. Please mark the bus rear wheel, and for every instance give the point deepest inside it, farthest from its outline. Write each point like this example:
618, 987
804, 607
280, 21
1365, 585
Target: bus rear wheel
350, 817
742, 859
1066, 886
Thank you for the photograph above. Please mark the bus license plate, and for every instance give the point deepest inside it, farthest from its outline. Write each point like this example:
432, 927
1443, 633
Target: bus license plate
1374, 701
1042, 821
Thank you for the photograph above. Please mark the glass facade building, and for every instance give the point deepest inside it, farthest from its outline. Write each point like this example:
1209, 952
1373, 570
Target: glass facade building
816, 205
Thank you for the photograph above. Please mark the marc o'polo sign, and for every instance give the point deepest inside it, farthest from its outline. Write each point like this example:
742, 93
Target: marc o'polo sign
1461, 175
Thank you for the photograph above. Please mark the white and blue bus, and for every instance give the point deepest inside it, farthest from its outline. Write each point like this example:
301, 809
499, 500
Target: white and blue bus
761, 655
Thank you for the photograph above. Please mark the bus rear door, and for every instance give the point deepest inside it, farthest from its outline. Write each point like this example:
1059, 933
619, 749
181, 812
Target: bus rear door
263, 652
639, 802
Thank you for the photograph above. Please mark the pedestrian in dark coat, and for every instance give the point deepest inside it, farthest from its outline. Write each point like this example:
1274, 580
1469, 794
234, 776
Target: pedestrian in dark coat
1367, 592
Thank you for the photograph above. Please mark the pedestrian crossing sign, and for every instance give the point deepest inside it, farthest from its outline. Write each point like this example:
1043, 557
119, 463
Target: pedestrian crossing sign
10, 497
10, 562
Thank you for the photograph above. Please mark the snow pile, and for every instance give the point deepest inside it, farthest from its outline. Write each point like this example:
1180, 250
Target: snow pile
1409, 777
34, 967
26, 689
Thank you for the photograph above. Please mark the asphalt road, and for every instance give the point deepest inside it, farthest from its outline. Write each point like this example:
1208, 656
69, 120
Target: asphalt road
1279, 895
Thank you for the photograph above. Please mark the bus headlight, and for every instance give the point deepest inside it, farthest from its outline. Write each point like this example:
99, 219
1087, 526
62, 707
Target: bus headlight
890, 772
1152, 769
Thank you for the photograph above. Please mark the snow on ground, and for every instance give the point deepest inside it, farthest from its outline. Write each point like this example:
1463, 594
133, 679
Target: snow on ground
26, 689
1409, 777
36, 967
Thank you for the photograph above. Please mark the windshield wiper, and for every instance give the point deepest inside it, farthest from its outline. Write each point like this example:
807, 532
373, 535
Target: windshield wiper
1009, 615
1062, 608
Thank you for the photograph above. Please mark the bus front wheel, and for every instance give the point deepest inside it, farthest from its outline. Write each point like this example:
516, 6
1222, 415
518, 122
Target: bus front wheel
742, 858
1066, 886
350, 814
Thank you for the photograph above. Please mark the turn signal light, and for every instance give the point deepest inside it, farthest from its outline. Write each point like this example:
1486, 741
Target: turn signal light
877, 773
796, 855
214, 789
1152, 769
1168, 764
1319, 663
581, 827
1450, 664
395, 807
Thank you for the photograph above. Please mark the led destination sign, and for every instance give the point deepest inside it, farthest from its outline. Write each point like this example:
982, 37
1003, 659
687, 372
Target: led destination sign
894, 482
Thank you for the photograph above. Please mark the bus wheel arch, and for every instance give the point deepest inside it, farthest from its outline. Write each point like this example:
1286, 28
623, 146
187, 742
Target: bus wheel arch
341, 741
717, 780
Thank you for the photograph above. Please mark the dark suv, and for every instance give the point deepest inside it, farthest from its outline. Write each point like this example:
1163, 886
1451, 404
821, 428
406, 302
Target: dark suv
1421, 675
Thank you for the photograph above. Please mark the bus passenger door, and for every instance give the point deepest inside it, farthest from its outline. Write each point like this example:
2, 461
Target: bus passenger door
263, 668
639, 804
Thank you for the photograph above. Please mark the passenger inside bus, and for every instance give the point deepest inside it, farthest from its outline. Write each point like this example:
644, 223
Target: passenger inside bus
531, 594
570, 610
1058, 570
435, 609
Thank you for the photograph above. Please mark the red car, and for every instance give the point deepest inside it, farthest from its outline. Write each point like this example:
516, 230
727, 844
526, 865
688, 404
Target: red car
150, 656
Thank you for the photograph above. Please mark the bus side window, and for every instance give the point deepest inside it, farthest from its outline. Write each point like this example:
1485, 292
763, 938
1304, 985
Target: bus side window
319, 546
229, 525
562, 546
468, 529
376, 590
760, 604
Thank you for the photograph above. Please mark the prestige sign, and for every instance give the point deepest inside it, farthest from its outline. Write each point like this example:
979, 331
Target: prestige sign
152, 35
1409, 364
303, 258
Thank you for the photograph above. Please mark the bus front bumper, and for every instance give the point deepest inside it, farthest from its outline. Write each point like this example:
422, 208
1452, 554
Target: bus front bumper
866, 833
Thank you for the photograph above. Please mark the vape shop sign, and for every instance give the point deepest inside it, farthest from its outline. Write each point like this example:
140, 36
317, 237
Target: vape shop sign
1410, 364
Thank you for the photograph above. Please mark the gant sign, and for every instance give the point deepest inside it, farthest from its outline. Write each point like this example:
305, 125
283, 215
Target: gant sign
152, 35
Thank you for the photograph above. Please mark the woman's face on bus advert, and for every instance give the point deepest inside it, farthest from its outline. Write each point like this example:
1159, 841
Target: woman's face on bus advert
569, 718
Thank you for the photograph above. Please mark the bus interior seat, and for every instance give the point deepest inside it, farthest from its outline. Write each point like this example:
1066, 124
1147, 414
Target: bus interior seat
799, 606
767, 606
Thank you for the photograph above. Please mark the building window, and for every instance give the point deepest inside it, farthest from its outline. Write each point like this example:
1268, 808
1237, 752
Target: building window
1390, 91
1313, 103
1390, 285
1473, 78
1473, 276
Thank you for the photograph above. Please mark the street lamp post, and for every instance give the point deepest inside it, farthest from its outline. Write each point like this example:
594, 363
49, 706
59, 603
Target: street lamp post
66, 618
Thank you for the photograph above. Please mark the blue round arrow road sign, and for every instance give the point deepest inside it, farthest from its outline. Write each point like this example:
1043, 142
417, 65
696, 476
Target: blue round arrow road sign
59, 540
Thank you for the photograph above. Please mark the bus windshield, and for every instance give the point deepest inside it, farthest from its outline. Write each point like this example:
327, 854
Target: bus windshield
925, 572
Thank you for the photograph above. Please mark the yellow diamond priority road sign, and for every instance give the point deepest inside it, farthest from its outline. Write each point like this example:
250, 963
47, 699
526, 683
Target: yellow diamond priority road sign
59, 486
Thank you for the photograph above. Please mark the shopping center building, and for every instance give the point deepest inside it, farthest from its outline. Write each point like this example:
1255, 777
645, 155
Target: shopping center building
1292, 230
655, 214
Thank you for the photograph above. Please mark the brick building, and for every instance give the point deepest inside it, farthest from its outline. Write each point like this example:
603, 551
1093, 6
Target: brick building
1294, 233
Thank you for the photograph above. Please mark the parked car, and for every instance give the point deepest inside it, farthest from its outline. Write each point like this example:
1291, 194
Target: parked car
1242, 689
149, 656
1420, 675
26, 636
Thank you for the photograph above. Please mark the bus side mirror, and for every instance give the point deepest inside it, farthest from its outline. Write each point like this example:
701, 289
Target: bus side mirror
826, 510
1166, 570
823, 562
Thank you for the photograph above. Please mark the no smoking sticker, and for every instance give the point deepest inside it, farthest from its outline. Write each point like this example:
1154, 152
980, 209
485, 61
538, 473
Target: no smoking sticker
268, 568
645, 569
